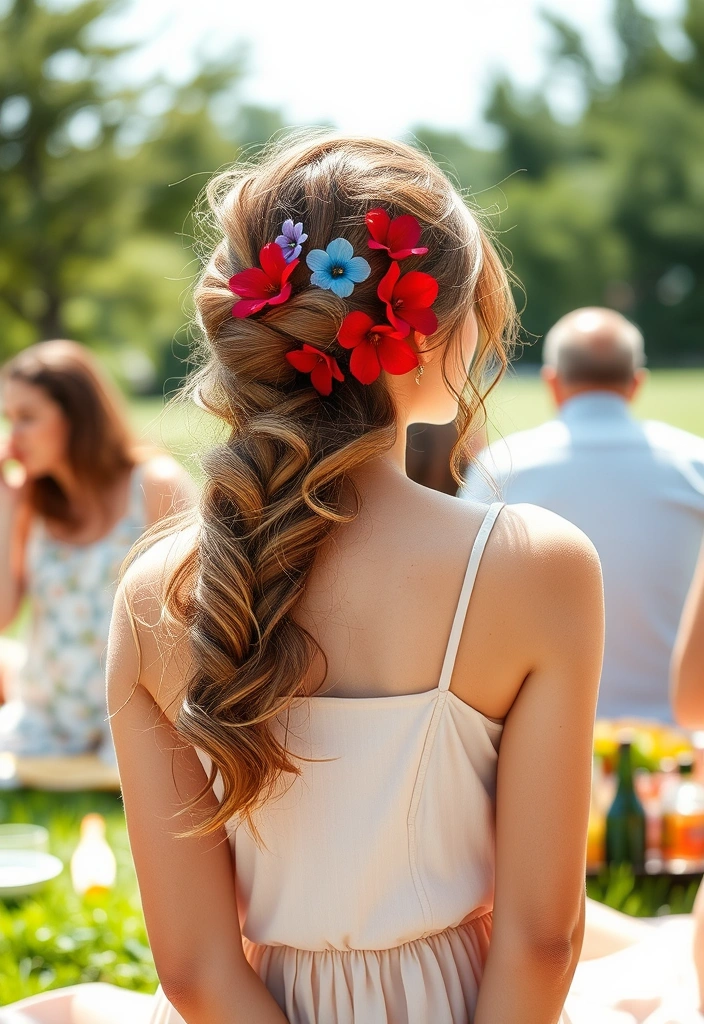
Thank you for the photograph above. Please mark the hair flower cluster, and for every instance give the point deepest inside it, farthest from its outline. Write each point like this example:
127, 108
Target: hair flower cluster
337, 268
291, 239
321, 367
375, 347
399, 236
268, 286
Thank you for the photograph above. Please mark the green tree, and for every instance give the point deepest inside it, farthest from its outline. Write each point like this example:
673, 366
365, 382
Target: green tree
609, 209
98, 182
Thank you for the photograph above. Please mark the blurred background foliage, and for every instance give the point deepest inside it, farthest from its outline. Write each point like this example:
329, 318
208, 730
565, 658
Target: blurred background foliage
97, 184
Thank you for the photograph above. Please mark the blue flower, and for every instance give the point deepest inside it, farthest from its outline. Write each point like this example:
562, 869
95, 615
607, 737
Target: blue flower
336, 269
290, 239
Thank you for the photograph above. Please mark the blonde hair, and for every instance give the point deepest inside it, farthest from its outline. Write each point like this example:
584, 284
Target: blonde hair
273, 489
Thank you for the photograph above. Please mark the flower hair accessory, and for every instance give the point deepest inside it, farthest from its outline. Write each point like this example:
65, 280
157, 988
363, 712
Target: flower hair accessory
408, 300
375, 347
321, 367
337, 268
291, 239
399, 236
268, 286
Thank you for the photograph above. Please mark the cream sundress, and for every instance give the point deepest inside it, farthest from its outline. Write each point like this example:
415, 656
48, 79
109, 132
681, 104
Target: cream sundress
56, 703
370, 899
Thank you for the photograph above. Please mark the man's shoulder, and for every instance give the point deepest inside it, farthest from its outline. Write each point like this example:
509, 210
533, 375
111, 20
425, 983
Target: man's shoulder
529, 446
674, 441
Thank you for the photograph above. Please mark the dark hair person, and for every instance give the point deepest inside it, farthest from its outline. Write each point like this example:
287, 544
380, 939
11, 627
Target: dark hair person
85, 495
353, 716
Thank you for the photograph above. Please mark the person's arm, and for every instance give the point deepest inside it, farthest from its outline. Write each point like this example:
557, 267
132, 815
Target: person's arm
168, 489
187, 885
13, 522
544, 776
687, 677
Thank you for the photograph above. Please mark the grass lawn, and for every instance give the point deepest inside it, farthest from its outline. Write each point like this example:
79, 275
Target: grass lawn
57, 938
520, 402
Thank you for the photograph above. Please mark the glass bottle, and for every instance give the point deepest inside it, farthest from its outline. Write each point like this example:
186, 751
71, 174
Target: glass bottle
625, 822
683, 819
93, 866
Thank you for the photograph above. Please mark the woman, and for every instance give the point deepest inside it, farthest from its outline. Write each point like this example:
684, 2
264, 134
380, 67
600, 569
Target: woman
84, 496
353, 716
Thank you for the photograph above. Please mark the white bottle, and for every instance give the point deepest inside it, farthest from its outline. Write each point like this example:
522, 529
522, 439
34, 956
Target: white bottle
93, 866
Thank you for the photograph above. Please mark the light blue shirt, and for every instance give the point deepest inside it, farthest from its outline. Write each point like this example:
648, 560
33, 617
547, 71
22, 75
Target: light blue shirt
637, 490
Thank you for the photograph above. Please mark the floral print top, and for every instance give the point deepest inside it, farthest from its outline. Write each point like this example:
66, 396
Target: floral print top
58, 703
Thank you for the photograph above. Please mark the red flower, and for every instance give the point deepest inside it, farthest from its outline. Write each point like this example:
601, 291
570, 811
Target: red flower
399, 236
269, 286
321, 367
376, 347
408, 300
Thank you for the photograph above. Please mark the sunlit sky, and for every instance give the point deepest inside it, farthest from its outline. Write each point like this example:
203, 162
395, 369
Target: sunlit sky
372, 66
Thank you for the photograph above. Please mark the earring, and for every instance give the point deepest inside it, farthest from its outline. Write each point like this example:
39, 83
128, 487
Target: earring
419, 373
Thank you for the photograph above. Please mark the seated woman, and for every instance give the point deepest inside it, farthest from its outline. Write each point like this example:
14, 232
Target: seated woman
85, 496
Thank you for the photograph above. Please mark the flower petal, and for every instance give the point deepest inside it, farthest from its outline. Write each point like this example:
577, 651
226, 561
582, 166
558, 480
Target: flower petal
288, 270
245, 307
422, 320
377, 221
354, 329
272, 261
304, 362
250, 284
403, 233
401, 327
339, 251
341, 286
416, 289
288, 230
298, 235
322, 279
336, 371
387, 283
283, 295
396, 356
291, 252
364, 363
318, 259
357, 269
321, 378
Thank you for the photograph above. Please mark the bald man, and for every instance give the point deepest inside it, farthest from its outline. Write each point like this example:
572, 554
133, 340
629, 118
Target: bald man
635, 488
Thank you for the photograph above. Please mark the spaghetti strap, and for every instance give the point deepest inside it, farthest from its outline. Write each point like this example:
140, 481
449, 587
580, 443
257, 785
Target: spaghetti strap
475, 558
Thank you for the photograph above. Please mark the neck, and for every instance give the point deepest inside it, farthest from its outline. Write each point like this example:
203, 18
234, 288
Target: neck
387, 469
565, 393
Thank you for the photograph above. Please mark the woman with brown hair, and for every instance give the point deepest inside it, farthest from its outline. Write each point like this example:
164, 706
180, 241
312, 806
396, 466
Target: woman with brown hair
353, 716
84, 497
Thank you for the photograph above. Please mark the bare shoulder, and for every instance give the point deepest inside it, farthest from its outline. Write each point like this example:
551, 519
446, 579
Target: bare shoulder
158, 642
547, 574
168, 488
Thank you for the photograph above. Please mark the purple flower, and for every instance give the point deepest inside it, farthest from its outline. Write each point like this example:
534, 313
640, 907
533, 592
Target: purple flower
291, 239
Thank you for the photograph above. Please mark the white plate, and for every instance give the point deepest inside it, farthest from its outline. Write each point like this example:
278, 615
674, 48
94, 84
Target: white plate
24, 871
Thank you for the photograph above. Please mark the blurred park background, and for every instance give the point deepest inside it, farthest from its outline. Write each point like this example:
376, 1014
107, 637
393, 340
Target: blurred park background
590, 170
578, 130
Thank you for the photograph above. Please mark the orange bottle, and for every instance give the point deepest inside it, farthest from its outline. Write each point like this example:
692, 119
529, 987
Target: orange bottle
683, 819
93, 866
